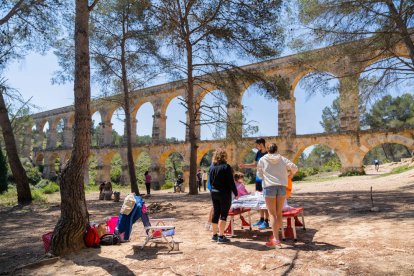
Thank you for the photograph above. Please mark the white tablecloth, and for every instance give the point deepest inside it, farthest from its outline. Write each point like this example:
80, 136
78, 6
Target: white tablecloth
254, 201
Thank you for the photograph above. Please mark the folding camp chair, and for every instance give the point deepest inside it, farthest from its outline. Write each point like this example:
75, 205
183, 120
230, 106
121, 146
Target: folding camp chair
159, 231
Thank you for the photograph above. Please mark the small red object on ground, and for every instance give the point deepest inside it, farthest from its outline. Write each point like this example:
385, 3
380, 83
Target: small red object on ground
47, 240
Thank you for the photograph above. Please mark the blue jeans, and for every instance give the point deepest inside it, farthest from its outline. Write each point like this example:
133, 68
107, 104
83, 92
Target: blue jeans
274, 191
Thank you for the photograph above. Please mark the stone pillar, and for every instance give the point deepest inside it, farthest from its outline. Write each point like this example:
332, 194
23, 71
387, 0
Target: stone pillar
159, 126
286, 117
27, 141
234, 130
49, 170
67, 135
349, 103
103, 171
52, 137
157, 175
39, 136
107, 133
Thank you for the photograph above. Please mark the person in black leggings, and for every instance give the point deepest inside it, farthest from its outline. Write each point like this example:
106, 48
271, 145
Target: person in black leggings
222, 186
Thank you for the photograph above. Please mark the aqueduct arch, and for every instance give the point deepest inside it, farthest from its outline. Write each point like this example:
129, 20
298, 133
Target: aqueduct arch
350, 144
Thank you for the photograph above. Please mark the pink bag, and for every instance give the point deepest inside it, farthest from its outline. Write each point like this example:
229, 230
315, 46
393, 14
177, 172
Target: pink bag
111, 223
144, 209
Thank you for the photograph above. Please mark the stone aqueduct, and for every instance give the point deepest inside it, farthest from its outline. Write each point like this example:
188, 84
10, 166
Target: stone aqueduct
350, 144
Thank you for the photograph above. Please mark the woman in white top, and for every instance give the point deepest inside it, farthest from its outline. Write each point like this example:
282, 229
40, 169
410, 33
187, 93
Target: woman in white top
274, 170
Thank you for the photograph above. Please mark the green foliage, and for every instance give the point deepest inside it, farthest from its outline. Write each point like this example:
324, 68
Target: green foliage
321, 157
330, 117
401, 169
51, 188
386, 153
206, 160
391, 112
398, 170
167, 185
33, 175
42, 183
304, 172
250, 174
142, 164
144, 139
47, 186
300, 175
352, 173
9, 198
332, 165
38, 195
116, 169
92, 170
3, 173
173, 166
116, 138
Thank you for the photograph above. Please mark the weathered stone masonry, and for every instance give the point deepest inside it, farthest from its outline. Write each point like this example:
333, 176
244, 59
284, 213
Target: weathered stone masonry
350, 144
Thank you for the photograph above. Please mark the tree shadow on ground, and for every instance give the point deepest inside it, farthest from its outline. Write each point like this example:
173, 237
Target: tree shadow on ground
151, 251
256, 240
341, 205
111, 265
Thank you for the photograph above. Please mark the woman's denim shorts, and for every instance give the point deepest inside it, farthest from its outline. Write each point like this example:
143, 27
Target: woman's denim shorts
274, 191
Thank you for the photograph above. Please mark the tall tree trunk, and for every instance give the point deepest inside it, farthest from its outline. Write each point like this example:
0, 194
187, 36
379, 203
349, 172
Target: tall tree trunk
130, 158
192, 120
19, 174
70, 228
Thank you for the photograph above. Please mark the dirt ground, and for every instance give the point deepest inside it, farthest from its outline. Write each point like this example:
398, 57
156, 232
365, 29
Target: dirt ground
343, 236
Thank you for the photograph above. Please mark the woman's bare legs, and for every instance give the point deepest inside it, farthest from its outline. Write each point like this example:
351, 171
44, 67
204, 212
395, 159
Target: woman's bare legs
279, 210
219, 228
271, 208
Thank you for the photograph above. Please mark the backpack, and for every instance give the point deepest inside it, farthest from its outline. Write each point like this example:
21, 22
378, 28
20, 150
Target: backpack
110, 239
91, 237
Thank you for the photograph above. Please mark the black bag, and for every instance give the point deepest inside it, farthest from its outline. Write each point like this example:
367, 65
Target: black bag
110, 239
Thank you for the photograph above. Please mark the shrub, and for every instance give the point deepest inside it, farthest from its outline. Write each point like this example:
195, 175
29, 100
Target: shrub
401, 169
167, 185
38, 195
3, 173
42, 183
311, 171
51, 188
332, 165
33, 175
352, 173
300, 175
116, 174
